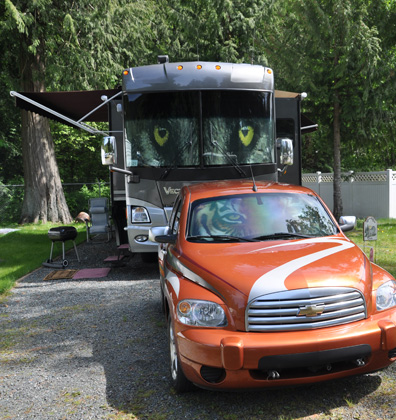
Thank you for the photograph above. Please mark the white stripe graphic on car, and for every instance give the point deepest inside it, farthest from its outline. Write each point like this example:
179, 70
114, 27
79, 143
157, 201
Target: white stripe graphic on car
174, 281
274, 280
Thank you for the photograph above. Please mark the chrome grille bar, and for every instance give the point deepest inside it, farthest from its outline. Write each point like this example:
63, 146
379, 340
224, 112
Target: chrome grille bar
305, 309
269, 303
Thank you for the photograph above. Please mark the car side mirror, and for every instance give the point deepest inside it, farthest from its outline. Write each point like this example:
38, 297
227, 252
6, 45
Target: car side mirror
347, 223
109, 151
161, 235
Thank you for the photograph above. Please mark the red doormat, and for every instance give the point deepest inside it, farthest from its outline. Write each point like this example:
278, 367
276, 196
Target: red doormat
60, 274
91, 273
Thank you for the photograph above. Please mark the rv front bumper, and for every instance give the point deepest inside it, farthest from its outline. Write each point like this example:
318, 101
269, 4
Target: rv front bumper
138, 238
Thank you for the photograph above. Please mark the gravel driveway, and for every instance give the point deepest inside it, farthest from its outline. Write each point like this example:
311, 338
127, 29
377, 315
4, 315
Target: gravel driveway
97, 349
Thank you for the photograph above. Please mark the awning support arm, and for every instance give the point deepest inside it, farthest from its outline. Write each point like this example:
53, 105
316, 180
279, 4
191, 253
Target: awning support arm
99, 106
309, 127
78, 124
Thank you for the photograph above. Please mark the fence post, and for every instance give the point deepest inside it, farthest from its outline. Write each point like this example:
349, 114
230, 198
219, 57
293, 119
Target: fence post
318, 180
389, 182
351, 180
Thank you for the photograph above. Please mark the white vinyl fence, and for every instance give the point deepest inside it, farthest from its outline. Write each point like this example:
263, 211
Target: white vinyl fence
363, 193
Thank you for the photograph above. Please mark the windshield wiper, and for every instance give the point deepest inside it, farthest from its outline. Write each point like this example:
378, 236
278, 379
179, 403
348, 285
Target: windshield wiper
220, 238
187, 144
226, 155
282, 235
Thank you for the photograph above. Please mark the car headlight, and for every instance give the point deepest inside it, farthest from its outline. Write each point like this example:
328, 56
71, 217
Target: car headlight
201, 313
386, 295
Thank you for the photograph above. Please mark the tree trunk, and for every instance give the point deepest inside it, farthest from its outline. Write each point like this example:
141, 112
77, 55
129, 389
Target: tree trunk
337, 197
44, 199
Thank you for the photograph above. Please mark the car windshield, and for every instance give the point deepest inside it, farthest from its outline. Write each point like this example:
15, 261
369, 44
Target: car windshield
258, 216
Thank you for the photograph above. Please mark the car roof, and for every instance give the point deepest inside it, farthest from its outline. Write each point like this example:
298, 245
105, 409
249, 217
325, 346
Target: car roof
231, 187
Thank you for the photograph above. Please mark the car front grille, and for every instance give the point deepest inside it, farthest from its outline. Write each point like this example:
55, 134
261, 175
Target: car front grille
305, 309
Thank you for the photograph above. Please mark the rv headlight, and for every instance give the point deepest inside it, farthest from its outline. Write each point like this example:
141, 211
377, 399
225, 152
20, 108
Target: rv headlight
386, 295
140, 215
201, 313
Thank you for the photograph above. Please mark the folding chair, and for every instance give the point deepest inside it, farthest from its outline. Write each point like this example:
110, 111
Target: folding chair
99, 214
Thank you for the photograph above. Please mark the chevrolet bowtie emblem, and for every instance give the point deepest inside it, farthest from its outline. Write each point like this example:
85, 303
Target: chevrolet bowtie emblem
311, 310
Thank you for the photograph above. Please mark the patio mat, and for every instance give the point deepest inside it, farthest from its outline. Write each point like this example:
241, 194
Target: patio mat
60, 274
91, 273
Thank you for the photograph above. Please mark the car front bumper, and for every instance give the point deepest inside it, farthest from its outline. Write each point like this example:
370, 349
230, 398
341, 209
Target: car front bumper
223, 359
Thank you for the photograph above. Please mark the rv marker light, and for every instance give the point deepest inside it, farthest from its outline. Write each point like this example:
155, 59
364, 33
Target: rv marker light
180, 67
125, 72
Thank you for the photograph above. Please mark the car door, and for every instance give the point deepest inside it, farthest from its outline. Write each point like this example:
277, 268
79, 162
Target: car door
173, 229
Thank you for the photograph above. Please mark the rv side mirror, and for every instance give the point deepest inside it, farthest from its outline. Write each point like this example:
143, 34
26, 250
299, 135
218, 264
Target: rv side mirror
285, 147
109, 151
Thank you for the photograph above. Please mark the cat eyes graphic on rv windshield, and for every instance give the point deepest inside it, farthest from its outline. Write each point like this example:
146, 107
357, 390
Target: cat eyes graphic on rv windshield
198, 128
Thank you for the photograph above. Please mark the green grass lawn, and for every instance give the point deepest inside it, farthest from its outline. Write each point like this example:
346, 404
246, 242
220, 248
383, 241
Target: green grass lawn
26, 249
384, 247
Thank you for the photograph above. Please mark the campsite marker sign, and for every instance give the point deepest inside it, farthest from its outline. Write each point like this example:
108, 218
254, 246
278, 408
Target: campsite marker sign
370, 233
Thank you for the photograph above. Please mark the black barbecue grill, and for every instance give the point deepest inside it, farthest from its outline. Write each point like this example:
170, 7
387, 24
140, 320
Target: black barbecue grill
61, 234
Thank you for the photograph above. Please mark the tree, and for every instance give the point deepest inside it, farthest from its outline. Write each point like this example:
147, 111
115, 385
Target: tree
43, 199
382, 14
10, 144
65, 45
217, 30
328, 48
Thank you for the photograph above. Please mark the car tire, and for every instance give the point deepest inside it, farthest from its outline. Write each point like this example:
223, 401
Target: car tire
179, 381
149, 257
163, 304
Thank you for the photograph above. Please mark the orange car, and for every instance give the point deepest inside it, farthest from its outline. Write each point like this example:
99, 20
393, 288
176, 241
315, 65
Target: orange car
261, 288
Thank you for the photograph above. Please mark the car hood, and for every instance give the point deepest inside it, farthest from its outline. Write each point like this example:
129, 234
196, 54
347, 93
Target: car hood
241, 272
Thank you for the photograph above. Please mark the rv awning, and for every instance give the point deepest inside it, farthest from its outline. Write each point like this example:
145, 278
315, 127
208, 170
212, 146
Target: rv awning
88, 106
74, 104
285, 94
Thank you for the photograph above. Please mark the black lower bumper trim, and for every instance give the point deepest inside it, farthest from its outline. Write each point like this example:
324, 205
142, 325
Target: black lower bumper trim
324, 357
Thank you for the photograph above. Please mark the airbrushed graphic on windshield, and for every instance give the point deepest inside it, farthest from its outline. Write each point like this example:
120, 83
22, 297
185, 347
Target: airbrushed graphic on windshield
274, 280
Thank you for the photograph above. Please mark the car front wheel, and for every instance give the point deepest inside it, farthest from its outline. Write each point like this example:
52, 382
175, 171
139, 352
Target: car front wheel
179, 380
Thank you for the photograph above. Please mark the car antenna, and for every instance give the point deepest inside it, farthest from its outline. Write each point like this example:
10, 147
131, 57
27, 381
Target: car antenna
254, 182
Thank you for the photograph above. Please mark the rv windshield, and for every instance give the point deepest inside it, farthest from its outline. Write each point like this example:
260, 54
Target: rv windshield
198, 128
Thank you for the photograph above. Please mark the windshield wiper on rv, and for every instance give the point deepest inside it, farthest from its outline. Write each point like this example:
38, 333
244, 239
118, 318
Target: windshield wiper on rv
226, 155
173, 165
